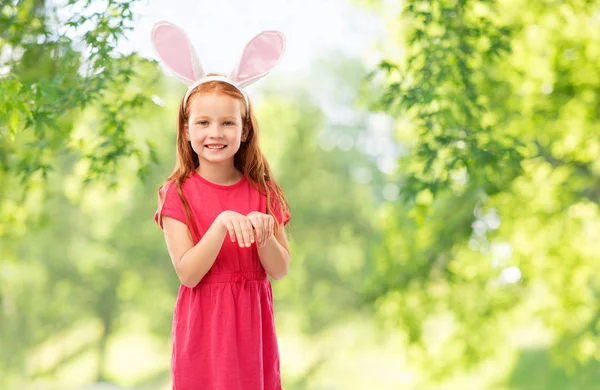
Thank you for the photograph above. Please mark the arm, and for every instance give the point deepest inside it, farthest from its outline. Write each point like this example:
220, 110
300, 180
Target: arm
192, 262
275, 254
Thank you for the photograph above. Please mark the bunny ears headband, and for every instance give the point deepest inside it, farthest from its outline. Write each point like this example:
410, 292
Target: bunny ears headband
176, 52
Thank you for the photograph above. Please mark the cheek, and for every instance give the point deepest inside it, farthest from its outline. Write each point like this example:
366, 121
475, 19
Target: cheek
237, 132
194, 142
193, 134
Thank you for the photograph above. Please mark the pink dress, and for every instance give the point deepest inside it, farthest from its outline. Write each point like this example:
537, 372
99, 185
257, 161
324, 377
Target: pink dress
223, 328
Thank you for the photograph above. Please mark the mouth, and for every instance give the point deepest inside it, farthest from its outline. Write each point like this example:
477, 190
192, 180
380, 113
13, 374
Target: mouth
215, 146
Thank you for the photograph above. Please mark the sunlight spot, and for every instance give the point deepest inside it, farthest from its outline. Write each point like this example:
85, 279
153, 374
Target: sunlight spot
158, 101
380, 124
502, 250
474, 244
500, 253
547, 88
492, 219
479, 228
460, 176
9, 11
510, 275
387, 165
373, 59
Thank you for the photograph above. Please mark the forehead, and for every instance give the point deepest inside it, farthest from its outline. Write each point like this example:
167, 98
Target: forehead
215, 104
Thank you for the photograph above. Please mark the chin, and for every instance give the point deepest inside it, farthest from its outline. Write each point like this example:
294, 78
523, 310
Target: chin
216, 159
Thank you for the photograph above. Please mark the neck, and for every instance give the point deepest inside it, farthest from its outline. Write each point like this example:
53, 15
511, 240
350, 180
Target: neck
219, 174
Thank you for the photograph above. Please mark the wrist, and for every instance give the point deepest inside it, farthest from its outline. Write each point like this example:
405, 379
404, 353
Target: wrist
220, 223
270, 240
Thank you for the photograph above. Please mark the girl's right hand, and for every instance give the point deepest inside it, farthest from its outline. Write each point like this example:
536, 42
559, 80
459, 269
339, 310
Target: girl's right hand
238, 226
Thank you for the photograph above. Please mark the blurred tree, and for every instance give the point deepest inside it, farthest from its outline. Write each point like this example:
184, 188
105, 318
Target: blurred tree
498, 103
66, 102
57, 59
91, 263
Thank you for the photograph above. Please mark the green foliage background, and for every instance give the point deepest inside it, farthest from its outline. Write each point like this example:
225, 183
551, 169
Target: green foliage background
445, 229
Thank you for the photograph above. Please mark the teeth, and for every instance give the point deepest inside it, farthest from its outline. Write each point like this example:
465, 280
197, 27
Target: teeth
215, 147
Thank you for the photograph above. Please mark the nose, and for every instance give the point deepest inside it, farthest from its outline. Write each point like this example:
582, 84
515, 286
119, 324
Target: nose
215, 131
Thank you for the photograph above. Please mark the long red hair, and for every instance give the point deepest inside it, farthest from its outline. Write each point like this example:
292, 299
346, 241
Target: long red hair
249, 159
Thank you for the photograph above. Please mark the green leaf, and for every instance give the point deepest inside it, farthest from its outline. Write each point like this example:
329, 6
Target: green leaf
13, 123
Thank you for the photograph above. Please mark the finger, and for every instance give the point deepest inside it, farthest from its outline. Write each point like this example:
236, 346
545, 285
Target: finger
261, 231
247, 231
239, 233
257, 229
230, 230
260, 234
265, 230
271, 226
252, 233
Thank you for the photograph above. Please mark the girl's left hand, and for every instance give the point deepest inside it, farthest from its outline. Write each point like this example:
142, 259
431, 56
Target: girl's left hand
264, 226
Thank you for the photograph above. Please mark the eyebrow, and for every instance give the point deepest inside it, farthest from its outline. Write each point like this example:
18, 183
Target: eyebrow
226, 117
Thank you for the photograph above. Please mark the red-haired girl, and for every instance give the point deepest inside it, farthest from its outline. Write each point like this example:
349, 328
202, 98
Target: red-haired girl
223, 217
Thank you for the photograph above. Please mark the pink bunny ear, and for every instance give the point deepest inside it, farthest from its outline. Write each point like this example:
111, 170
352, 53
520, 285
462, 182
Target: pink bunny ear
176, 52
260, 55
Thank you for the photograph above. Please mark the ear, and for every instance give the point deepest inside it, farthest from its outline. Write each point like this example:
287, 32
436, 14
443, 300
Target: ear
260, 56
186, 132
245, 131
176, 52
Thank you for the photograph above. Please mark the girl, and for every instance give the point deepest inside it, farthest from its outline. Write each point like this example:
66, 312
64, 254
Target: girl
223, 218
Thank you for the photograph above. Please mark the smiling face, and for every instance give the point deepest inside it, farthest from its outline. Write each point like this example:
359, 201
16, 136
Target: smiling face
215, 128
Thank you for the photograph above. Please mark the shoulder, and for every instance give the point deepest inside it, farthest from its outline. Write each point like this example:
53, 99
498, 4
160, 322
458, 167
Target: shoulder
171, 188
262, 189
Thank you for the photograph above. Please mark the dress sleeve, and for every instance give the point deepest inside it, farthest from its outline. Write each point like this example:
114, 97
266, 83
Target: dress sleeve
282, 218
170, 205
